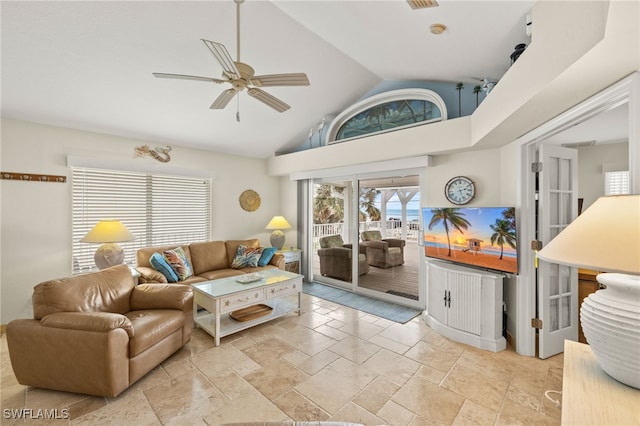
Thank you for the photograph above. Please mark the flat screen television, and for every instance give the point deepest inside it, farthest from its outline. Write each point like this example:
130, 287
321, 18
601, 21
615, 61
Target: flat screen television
484, 237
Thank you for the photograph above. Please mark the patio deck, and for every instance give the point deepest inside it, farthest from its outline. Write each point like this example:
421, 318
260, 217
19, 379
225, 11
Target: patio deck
403, 279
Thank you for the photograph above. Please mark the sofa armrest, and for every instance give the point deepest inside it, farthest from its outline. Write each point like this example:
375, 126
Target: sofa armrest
88, 362
395, 242
335, 252
165, 296
278, 261
88, 321
376, 244
150, 275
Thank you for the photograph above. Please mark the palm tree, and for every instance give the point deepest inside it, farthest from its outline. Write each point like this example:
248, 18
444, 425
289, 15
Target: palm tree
328, 205
378, 113
476, 91
459, 88
503, 233
367, 204
510, 215
449, 217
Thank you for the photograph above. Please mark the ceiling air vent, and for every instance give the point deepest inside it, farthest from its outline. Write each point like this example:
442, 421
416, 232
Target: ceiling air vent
422, 4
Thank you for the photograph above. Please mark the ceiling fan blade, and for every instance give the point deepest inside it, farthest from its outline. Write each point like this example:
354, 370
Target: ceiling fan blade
224, 59
268, 99
223, 99
188, 77
293, 79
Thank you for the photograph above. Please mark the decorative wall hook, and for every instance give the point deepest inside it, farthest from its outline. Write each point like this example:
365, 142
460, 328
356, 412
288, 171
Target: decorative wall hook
33, 177
161, 154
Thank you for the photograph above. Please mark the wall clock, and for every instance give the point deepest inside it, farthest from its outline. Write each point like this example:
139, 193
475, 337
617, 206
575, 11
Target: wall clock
460, 190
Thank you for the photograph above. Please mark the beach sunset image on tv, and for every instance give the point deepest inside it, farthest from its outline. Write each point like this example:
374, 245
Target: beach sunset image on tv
483, 236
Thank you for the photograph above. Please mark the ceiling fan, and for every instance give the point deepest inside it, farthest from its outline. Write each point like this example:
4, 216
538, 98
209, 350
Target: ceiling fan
242, 76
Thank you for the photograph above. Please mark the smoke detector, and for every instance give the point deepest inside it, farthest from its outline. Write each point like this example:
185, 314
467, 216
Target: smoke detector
437, 29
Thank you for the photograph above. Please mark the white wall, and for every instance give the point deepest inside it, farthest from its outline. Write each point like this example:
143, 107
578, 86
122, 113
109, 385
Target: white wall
482, 167
593, 161
36, 217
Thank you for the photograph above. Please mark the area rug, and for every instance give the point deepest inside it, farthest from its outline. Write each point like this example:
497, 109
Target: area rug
379, 308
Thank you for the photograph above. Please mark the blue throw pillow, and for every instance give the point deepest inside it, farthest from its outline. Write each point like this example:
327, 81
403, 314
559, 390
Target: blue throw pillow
160, 264
267, 254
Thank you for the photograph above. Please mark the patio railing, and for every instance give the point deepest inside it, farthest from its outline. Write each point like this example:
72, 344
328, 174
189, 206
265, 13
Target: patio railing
393, 230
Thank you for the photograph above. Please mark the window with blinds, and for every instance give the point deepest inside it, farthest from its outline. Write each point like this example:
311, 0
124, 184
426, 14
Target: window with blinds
157, 209
616, 183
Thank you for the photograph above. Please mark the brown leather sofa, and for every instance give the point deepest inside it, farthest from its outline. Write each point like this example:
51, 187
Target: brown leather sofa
383, 252
335, 258
210, 260
98, 333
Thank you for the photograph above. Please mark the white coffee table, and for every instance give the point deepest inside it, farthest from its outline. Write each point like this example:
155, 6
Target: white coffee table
223, 296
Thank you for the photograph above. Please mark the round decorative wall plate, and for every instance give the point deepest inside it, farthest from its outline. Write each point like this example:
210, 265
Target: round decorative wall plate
460, 190
250, 200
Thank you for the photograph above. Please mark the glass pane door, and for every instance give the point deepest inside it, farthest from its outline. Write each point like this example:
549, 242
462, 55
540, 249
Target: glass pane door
389, 214
333, 261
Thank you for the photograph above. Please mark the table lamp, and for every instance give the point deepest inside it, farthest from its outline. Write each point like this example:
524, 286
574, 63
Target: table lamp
109, 232
277, 236
606, 237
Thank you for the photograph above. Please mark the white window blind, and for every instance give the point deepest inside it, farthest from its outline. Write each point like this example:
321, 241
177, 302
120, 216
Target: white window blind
616, 183
157, 209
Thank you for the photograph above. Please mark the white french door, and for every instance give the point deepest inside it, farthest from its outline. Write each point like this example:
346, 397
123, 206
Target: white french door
557, 284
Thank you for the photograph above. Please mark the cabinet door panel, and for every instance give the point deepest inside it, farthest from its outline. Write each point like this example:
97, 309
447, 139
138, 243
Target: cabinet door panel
464, 311
436, 286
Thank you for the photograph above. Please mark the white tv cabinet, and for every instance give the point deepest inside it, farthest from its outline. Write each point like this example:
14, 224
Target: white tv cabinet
465, 304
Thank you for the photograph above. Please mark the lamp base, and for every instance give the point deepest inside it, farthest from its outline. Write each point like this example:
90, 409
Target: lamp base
277, 239
107, 255
610, 319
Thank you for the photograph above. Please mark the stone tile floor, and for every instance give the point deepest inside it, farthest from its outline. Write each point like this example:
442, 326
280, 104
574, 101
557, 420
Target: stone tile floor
332, 363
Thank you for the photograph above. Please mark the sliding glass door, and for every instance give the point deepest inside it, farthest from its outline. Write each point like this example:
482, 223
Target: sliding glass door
365, 235
334, 230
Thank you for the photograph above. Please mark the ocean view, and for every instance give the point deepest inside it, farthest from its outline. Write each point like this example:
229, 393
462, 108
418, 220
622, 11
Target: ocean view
413, 215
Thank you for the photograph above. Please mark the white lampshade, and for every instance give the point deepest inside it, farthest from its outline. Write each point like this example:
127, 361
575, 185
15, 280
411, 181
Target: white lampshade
278, 222
606, 237
108, 232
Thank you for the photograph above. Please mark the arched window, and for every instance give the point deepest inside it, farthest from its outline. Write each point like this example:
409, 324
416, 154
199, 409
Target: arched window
386, 112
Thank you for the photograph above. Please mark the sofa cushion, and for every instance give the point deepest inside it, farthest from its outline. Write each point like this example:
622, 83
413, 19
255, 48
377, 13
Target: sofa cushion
267, 254
246, 257
108, 290
160, 264
208, 256
232, 247
152, 326
371, 236
144, 254
222, 273
331, 241
179, 262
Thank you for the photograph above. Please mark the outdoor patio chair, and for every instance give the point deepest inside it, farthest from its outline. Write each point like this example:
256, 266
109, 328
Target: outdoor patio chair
382, 252
335, 258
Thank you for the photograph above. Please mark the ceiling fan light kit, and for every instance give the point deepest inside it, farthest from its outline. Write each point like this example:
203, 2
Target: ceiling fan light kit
242, 76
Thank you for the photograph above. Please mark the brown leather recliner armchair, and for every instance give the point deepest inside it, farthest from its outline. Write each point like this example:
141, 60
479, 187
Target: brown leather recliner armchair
383, 252
98, 333
335, 258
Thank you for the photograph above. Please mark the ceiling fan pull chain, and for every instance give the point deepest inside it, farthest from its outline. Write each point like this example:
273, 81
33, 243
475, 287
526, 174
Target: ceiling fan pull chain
238, 110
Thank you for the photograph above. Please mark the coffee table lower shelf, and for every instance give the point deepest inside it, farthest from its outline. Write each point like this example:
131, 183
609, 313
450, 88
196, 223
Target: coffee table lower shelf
207, 320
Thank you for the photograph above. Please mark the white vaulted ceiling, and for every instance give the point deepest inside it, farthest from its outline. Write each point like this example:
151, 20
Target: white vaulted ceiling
87, 65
